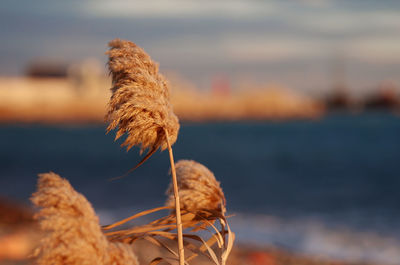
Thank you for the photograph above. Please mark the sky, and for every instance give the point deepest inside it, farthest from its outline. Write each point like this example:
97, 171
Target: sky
294, 43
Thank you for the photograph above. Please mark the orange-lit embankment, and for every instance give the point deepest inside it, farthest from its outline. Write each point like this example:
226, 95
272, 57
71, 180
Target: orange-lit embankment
65, 100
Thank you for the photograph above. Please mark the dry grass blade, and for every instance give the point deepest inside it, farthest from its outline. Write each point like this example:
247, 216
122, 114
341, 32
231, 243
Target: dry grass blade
147, 156
209, 249
167, 223
231, 239
139, 230
108, 227
210, 242
161, 244
206, 245
157, 261
217, 233
203, 247
167, 235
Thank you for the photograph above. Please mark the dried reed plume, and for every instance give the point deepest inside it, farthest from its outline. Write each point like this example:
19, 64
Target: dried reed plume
198, 188
73, 234
203, 208
139, 105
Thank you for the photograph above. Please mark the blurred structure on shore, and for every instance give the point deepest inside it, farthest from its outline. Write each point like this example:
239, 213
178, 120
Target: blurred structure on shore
269, 102
79, 95
339, 98
386, 96
80, 92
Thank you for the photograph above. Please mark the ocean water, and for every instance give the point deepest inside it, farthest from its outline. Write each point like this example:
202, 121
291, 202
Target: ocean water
328, 187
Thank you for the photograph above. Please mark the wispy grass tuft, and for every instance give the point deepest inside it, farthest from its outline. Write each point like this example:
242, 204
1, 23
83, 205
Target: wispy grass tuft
139, 105
198, 188
73, 234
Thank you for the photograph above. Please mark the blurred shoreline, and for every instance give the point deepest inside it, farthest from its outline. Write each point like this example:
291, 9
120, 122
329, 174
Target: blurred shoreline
83, 97
81, 94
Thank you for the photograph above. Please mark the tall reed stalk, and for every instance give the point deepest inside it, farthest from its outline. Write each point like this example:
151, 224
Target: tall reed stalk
140, 108
177, 204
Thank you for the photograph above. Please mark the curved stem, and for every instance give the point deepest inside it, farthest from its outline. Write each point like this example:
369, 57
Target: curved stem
177, 203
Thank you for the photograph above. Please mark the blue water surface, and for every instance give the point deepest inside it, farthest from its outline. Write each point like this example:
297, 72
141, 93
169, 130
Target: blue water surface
338, 164
342, 170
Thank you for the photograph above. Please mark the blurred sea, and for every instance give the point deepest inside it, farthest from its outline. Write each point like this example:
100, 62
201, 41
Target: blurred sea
328, 187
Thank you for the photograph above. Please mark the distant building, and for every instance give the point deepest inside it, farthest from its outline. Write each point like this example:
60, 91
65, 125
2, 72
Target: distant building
385, 98
47, 69
339, 98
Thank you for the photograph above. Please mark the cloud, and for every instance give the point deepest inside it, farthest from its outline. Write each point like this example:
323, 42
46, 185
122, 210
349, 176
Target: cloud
317, 3
239, 48
178, 8
271, 48
377, 50
345, 21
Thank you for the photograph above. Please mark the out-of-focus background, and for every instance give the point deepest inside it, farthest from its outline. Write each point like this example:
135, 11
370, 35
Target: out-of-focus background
294, 105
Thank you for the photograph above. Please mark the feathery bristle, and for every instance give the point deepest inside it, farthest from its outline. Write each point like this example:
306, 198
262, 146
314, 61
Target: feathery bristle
73, 234
139, 105
198, 188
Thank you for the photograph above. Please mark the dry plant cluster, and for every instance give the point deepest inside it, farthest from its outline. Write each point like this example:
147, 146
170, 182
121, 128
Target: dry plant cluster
140, 109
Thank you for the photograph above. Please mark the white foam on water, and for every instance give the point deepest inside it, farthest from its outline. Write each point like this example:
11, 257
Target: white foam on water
315, 237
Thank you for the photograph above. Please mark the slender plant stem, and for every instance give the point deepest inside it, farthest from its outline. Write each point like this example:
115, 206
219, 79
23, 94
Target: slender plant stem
177, 203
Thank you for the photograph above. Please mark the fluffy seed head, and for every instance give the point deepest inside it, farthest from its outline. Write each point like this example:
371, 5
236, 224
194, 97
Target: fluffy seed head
139, 105
73, 234
198, 188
